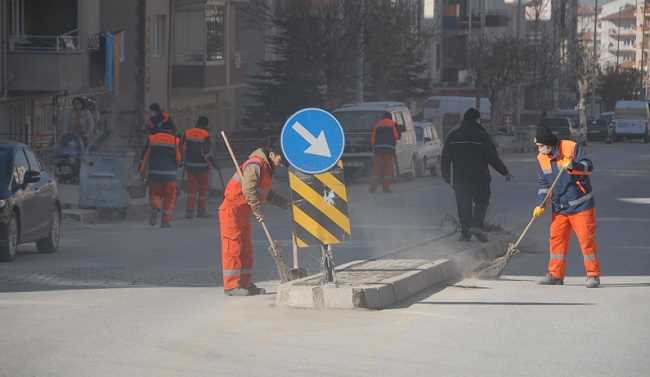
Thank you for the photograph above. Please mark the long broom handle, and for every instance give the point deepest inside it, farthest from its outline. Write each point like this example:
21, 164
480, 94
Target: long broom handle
532, 220
241, 176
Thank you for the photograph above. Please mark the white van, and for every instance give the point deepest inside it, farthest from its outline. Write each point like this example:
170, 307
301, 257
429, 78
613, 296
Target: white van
436, 107
631, 120
357, 121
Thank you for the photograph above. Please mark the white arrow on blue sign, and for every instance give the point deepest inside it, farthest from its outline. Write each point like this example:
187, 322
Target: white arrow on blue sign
312, 140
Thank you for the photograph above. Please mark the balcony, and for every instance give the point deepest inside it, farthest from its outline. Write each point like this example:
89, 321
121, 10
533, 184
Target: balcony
205, 50
38, 63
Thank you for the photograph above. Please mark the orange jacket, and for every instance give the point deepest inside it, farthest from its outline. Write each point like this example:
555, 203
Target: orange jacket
384, 135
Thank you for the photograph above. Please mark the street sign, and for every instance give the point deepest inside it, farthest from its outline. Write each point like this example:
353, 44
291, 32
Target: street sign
319, 207
312, 141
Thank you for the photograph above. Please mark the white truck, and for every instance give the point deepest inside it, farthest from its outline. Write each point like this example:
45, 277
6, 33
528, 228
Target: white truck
436, 107
631, 120
357, 121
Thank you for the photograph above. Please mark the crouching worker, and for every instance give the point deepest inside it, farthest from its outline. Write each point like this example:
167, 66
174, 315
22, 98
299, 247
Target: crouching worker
243, 198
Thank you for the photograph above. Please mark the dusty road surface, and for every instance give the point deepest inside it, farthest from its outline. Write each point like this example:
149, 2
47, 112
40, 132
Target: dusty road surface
129, 300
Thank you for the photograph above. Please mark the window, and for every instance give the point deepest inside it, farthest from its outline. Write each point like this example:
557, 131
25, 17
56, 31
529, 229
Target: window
34, 163
429, 9
21, 166
215, 32
399, 119
419, 134
158, 36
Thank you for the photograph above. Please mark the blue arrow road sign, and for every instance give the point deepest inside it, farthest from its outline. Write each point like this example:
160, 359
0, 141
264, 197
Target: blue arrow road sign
312, 140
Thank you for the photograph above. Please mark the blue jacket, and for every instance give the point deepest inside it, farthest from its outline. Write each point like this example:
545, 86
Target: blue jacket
573, 192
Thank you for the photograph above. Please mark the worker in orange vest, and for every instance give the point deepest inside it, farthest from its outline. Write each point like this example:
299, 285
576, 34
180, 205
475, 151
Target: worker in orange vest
383, 139
158, 120
244, 197
571, 202
197, 148
160, 160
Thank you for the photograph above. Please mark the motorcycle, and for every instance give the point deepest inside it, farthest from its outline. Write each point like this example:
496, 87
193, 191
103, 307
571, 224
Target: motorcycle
67, 160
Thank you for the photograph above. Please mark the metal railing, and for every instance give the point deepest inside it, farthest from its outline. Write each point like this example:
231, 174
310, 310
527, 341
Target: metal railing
67, 42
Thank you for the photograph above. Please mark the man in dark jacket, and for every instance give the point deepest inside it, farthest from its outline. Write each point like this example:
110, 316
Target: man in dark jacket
470, 150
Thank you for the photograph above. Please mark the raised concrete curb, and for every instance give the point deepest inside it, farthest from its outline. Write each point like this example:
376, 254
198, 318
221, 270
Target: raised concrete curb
83, 216
383, 282
371, 293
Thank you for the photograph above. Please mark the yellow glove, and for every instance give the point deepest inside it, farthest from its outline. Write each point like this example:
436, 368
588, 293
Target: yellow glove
538, 212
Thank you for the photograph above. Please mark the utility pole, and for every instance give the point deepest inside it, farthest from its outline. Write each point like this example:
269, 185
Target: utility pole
643, 70
595, 64
618, 36
361, 56
517, 101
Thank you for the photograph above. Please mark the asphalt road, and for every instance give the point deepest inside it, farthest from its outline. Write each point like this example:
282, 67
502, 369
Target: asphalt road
125, 299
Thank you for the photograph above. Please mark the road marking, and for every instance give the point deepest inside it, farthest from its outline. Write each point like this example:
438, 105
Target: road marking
623, 219
635, 200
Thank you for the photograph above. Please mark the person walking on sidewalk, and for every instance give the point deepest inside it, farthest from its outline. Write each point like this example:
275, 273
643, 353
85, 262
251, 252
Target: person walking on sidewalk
160, 160
158, 120
470, 151
197, 148
383, 139
572, 204
244, 197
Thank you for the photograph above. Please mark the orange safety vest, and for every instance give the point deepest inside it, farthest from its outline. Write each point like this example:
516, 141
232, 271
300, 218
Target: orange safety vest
195, 148
162, 156
234, 197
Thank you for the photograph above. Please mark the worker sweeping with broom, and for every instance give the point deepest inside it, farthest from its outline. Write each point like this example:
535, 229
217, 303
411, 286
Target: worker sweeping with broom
243, 197
571, 202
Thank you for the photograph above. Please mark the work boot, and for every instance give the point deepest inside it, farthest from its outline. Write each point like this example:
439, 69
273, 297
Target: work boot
593, 282
153, 216
478, 234
551, 280
464, 237
203, 214
255, 290
189, 214
237, 292
165, 224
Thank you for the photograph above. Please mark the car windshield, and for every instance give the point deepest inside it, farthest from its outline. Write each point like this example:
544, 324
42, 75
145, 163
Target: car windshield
6, 161
419, 134
358, 120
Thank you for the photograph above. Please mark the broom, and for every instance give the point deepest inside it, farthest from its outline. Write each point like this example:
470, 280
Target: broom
494, 269
274, 249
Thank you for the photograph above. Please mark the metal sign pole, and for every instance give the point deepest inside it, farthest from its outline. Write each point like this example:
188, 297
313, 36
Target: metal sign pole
294, 246
329, 275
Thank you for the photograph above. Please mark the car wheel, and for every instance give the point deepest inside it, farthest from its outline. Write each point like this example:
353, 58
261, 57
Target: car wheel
420, 166
51, 243
10, 244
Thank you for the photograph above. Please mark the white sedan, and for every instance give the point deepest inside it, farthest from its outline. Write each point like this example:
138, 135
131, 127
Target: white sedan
429, 149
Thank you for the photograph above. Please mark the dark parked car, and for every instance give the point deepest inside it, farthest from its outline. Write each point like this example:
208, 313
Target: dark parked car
30, 210
602, 128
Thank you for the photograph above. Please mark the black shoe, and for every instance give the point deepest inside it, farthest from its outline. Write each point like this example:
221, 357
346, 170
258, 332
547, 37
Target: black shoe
189, 215
551, 280
255, 290
465, 238
153, 216
165, 224
237, 292
479, 235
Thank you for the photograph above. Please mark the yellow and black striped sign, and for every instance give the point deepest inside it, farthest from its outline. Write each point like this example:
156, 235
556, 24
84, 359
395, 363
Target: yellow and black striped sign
320, 207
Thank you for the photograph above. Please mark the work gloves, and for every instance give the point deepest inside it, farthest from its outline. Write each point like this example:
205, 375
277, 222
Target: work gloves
538, 211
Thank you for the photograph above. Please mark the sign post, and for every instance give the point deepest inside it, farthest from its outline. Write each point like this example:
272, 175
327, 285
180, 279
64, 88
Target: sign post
312, 142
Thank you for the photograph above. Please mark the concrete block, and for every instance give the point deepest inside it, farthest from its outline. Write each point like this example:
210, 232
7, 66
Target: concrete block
83, 216
342, 297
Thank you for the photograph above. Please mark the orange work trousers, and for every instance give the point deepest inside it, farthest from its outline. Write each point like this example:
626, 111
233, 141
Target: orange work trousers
584, 225
197, 184
162, 195
236, 246
383, 165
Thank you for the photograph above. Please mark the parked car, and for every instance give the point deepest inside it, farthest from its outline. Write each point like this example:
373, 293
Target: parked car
30, 210
602, 128
357, 121
429, 149
577, 133
631, 120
